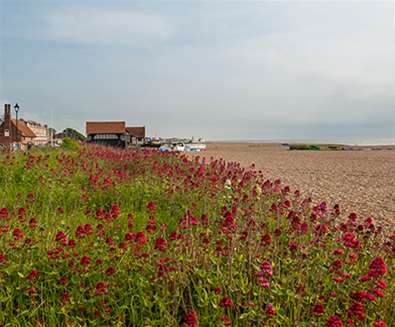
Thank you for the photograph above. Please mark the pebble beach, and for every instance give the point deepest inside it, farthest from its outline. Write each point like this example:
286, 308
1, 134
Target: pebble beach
360, 180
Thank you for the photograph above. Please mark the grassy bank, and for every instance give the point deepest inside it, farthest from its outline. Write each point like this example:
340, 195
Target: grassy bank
96, 236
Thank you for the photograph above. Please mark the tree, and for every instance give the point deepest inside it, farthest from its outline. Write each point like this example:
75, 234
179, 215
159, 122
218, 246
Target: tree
74, 134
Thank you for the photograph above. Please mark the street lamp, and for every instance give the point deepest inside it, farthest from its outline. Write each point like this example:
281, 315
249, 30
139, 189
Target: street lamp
16, 108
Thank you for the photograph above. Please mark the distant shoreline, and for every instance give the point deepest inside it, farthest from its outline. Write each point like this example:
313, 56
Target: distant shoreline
390, 143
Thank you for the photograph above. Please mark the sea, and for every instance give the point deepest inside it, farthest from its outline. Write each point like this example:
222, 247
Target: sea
342, 141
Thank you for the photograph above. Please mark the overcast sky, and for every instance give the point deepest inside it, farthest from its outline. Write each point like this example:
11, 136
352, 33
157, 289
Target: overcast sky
213, 69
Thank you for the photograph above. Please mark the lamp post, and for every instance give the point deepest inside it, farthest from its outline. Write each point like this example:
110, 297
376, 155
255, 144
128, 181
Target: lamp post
16, 108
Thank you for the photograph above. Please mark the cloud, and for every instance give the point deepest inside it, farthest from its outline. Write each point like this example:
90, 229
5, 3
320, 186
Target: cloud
109, 26
227, 70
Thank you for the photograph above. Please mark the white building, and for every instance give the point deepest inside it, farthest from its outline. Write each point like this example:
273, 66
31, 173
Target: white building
41, 132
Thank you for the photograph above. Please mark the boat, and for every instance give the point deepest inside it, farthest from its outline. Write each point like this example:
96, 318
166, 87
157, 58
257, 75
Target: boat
195, 146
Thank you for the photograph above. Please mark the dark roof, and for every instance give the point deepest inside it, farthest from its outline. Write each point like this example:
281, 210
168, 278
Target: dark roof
136, 131
23, 129
105, 127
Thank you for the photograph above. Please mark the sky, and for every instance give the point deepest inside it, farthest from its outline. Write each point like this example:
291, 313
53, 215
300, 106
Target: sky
221, 70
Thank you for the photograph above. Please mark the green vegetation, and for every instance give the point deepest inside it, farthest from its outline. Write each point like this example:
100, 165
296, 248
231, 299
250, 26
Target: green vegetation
92, 236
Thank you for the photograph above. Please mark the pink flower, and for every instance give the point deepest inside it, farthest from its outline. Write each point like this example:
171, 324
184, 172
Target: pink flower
190, 319
140, 238
110, 271
151, 206
33, 274
357, 310
379, 323
3, 213
264, 282
334, 321
161, 244
377, 267
85, 260
60, 236
226, 302
382, 284
225, 320
318, 309
115, 210
266, 267
66, 297
18, 234
377, 292
270, 311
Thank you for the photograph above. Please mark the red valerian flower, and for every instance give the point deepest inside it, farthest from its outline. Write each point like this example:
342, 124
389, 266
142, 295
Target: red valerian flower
357, 310
379, 323
85, 260
266, 267
33, 274
380, 284
4, 213
2, 257
60, 236
266, 239
129, 236
18, 234
226, 302
33, 223
338, 251
359, 295
66, 297
63, 280
151, 226
377, 267
88, 228
377, 292
318, 309
350, 240
190, 319
115, 210
264, 282
110, 271
293, 246
151, 206
334, 321
22, 212
101, 288
204, 220
270, 311
225, 320
161, 244
140, 238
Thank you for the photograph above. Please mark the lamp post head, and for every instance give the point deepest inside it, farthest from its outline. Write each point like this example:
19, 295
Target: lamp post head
16, 107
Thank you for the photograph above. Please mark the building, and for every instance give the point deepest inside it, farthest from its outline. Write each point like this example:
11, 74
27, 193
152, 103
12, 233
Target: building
28, 132
114, 133
14, 132
41, 132
137, 134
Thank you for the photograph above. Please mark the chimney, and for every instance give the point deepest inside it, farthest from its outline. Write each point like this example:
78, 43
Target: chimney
7, 119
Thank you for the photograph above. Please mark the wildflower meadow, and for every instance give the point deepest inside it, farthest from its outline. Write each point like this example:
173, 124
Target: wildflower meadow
96, 236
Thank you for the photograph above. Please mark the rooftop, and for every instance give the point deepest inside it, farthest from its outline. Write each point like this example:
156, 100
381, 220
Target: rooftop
105, 127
